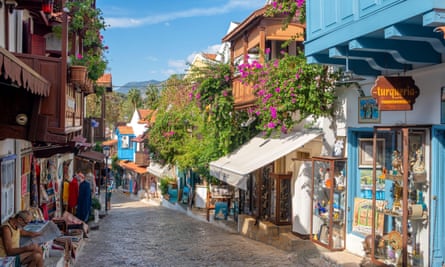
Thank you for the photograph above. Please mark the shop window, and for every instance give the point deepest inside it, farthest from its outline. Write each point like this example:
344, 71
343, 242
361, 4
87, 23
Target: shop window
7, 174
400, 204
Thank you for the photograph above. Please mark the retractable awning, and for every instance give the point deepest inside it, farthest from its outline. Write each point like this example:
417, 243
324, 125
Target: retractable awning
21, 74
235, 168
92, 155
158, 170
129, 165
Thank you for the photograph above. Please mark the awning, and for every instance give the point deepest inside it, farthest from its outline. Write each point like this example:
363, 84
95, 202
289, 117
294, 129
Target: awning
235, 168
129, 165
158, 170
92, 155
22, 74
109, 142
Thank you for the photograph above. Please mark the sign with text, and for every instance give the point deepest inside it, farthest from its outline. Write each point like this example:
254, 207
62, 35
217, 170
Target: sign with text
395, 93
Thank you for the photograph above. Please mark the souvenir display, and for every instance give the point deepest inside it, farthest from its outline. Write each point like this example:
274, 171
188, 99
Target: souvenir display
404, 237
329, 202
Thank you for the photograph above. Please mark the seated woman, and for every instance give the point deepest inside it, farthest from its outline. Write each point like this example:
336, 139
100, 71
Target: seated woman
30, 255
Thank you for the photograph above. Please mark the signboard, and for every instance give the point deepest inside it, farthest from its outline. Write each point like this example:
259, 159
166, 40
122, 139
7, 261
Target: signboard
395, 93
362, 221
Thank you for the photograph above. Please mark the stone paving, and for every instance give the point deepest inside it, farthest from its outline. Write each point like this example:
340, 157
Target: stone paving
145, 233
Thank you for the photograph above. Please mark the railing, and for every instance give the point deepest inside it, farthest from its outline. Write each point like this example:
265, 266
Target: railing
141, 159
242, 94
63, 118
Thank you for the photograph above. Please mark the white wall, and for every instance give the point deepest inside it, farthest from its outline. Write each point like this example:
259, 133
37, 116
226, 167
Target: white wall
138, 128
426, 109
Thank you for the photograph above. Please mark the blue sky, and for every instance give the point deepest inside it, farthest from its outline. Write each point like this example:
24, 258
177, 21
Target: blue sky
151, 40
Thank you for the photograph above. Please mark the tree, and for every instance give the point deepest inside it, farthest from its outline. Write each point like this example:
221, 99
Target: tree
152, 96
134, 96
113, 108
196, 122
93, 106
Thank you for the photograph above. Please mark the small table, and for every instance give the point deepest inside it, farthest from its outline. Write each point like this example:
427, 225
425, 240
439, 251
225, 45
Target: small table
219, 198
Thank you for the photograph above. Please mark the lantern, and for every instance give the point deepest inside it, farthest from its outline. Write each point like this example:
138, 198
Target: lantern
47, 6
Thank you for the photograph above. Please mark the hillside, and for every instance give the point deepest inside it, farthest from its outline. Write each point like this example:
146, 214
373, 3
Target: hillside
142, 86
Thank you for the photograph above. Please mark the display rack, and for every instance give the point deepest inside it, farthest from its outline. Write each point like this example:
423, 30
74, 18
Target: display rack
329, 202
404, 239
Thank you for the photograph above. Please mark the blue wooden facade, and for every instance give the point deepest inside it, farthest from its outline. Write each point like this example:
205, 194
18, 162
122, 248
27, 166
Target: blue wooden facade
391, 38
377, 36
125, 147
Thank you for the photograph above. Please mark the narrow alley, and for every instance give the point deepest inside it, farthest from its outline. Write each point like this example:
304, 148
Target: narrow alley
135, 233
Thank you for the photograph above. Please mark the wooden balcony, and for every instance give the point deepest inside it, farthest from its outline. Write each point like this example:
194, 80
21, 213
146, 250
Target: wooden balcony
58, 118
142, 159
242, 94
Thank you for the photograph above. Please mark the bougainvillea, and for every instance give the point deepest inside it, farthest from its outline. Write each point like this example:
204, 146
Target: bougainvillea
196, 122
288, 90
290, 8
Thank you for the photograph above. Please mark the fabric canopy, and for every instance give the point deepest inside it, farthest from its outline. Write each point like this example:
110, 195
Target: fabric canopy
92, 155
158, 170
235, 168
129, 165
23, 75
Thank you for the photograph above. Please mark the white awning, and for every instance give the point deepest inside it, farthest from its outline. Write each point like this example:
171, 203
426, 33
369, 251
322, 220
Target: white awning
235, 168
158, 170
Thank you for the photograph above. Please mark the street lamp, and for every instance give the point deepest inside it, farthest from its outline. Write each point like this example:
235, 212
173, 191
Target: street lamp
106, 151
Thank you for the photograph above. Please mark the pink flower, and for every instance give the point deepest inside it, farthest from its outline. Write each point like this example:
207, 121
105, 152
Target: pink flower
276, 62
267, 51
271, 125
273, 112
284, 129
300, 3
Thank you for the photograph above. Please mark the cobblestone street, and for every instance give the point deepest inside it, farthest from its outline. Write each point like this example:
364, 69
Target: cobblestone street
135, 233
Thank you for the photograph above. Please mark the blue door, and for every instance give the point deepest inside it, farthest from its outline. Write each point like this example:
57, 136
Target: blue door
437, 213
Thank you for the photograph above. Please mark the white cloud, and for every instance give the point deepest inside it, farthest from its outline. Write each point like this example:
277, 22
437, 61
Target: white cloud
177, 64
122, 22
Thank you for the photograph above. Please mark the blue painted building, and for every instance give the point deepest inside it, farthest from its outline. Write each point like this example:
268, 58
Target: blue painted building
375, 40
125, 147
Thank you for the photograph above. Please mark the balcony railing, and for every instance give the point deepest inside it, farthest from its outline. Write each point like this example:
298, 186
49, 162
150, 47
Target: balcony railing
142, 159
242, 94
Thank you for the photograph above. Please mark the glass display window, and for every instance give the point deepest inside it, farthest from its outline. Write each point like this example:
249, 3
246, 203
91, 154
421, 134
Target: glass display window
329, 184
399, 216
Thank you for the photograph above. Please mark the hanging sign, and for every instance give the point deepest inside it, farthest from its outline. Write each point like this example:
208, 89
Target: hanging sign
395, 93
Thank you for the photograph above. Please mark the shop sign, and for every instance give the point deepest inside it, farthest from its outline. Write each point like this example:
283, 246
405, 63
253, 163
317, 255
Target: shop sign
395, 93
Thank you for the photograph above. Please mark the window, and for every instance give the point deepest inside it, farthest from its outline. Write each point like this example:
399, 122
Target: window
125, 141
7, 187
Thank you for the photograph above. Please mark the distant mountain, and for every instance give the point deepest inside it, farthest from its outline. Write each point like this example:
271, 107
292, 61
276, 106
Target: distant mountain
141, 86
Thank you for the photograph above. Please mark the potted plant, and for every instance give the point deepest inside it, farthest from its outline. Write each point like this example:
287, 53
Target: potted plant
78, 69
85, 24
95, 205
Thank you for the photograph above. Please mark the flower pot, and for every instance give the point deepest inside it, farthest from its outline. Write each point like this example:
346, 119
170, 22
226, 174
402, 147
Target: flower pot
78, 74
